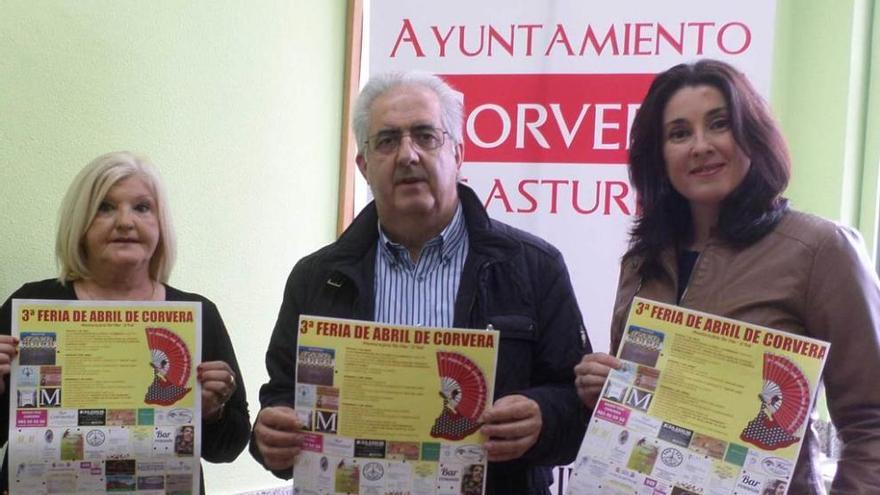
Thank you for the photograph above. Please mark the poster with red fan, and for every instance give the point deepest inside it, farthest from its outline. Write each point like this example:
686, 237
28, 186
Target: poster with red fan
703, 404
392, 409
104, 397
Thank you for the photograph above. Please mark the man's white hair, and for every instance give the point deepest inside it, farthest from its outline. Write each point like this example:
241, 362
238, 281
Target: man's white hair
451, 106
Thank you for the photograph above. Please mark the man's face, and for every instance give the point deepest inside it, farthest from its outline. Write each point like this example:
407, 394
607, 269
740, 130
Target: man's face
410, 180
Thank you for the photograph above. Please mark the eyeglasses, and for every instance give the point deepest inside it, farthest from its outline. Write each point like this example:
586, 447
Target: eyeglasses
425, 138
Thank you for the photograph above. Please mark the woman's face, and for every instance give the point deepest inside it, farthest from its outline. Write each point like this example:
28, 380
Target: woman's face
703, 161
125, 231
188, 434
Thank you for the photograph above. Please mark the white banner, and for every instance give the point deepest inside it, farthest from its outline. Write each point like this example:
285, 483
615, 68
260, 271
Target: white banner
550, 90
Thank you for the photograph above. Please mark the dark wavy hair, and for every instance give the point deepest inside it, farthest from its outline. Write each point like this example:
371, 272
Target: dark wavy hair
750, 211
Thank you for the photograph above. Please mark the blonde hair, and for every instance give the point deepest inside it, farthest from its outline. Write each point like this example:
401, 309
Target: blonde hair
81, 202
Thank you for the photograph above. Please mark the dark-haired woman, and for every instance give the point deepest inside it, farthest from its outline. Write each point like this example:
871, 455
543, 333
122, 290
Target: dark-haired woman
709, 164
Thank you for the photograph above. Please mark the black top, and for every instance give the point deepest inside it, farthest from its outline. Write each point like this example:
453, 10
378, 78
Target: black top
686, 261
223, 440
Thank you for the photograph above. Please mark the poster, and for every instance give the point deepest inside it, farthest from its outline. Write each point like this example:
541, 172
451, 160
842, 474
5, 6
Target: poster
392, 409
104, 397
702, 405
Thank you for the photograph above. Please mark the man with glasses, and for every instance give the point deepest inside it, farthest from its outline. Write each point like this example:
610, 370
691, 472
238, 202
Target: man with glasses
426, 253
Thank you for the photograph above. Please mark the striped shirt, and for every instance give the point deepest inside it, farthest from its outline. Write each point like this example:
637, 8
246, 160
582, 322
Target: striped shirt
421, 293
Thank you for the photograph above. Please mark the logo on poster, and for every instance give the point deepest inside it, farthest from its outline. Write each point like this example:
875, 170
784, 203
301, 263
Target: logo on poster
469, 453
373, 471
325, 421
748, 481
672, 457
776, 466
50, 397
180, 416
95, 438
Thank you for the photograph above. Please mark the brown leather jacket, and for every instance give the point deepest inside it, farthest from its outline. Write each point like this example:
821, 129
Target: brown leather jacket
811, 277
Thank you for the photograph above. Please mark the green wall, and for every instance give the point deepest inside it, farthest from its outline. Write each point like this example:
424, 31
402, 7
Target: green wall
825, 94
237, 102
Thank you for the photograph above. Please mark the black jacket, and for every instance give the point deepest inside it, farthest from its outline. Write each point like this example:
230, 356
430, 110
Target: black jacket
511, 279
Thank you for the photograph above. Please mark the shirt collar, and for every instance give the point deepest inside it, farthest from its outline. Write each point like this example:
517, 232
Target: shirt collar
449, 239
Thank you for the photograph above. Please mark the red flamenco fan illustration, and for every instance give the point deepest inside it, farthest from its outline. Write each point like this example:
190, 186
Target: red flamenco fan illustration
464, 391
785, 402
171, 363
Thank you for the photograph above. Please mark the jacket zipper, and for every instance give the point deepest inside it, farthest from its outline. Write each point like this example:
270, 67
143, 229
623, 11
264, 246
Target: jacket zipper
480, 274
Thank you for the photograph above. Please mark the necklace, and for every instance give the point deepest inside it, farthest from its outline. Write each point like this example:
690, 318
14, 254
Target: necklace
90, 296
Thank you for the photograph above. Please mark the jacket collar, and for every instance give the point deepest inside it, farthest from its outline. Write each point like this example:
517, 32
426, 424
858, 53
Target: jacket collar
354, 254
489, 242
484, 235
